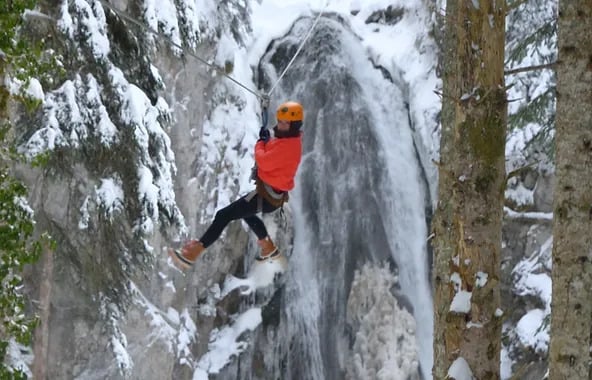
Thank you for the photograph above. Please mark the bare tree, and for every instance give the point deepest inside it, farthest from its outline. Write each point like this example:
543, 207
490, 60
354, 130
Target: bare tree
571, 312
468, 220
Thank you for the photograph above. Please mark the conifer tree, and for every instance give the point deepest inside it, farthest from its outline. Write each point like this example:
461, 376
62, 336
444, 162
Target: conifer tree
467, 223
19, 62
571, 312
531, 54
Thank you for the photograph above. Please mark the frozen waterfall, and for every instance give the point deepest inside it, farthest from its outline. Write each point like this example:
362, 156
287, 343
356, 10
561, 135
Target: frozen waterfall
360, 198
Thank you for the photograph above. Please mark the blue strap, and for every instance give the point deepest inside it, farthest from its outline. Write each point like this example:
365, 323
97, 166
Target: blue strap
264, 117
264, 114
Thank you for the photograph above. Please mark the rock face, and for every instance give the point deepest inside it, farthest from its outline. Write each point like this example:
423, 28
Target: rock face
124, 177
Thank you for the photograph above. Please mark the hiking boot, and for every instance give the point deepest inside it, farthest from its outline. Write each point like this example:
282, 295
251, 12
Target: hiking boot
186, 256
268, 249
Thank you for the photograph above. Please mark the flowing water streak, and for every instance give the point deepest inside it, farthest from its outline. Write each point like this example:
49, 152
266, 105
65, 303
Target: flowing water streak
360, 197
404, 200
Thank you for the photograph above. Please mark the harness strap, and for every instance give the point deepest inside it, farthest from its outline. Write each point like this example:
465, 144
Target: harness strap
283, 219
259, 205
249, 197
276, 199
272, 192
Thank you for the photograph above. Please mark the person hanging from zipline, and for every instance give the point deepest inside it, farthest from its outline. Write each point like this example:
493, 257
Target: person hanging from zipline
276, 162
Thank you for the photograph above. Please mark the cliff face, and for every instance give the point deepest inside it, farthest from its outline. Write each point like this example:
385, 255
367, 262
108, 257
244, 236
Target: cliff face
124, 176
143, 142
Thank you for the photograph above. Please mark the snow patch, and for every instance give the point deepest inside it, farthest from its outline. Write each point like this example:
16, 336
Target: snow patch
110, 195
456, 281
31, 89
175, 330
261, 275
93, 25
19, 357
517, 193
460, 370
161, 15
532, 278
225, 344
530, 330
481, 279
461, 303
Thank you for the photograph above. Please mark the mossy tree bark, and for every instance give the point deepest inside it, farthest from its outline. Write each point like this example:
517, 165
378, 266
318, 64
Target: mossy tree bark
468, 220
4, 95
571, 318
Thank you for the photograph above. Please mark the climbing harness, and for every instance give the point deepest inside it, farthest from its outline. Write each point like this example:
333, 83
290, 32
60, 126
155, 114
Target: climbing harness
265, 192
269, 194
272, 196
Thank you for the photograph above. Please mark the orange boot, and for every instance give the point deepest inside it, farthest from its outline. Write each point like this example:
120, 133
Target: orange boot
186, 256
268, 249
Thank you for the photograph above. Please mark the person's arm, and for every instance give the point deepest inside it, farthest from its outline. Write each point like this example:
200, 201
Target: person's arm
269, 156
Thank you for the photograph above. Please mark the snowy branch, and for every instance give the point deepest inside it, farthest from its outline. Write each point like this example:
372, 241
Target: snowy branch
539, 217
530, 68
521, 169
30, 14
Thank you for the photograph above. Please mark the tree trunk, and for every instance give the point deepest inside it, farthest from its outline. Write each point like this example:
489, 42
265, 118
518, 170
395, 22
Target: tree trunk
4, 95
42, 329
571, 313
468, 220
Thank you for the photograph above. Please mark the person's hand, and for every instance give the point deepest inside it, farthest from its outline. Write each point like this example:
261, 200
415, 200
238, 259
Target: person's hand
264, 134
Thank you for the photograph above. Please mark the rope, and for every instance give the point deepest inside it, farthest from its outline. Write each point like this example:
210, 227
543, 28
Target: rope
308, 34
173, 43
264, 98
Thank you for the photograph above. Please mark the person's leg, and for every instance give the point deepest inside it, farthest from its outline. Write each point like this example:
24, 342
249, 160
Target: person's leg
186, 256
257, 225
268, 248
243, 208
254, 222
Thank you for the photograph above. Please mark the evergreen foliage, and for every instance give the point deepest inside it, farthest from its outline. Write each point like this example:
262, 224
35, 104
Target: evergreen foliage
531, 40
111, 120
108, 116
19, 61
14, 50
16, 228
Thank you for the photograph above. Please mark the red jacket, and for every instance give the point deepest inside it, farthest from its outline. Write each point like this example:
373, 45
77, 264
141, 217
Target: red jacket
277, 161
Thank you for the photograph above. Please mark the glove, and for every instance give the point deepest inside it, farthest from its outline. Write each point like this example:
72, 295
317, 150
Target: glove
264, 134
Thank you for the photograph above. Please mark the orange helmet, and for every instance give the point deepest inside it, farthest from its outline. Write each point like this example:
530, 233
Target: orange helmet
290, 111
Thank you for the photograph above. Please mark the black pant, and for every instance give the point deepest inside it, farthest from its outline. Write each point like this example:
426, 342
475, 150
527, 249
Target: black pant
244, 208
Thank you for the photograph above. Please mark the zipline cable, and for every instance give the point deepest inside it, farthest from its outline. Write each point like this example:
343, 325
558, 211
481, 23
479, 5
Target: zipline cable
264, 98
173, 43
308, 34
